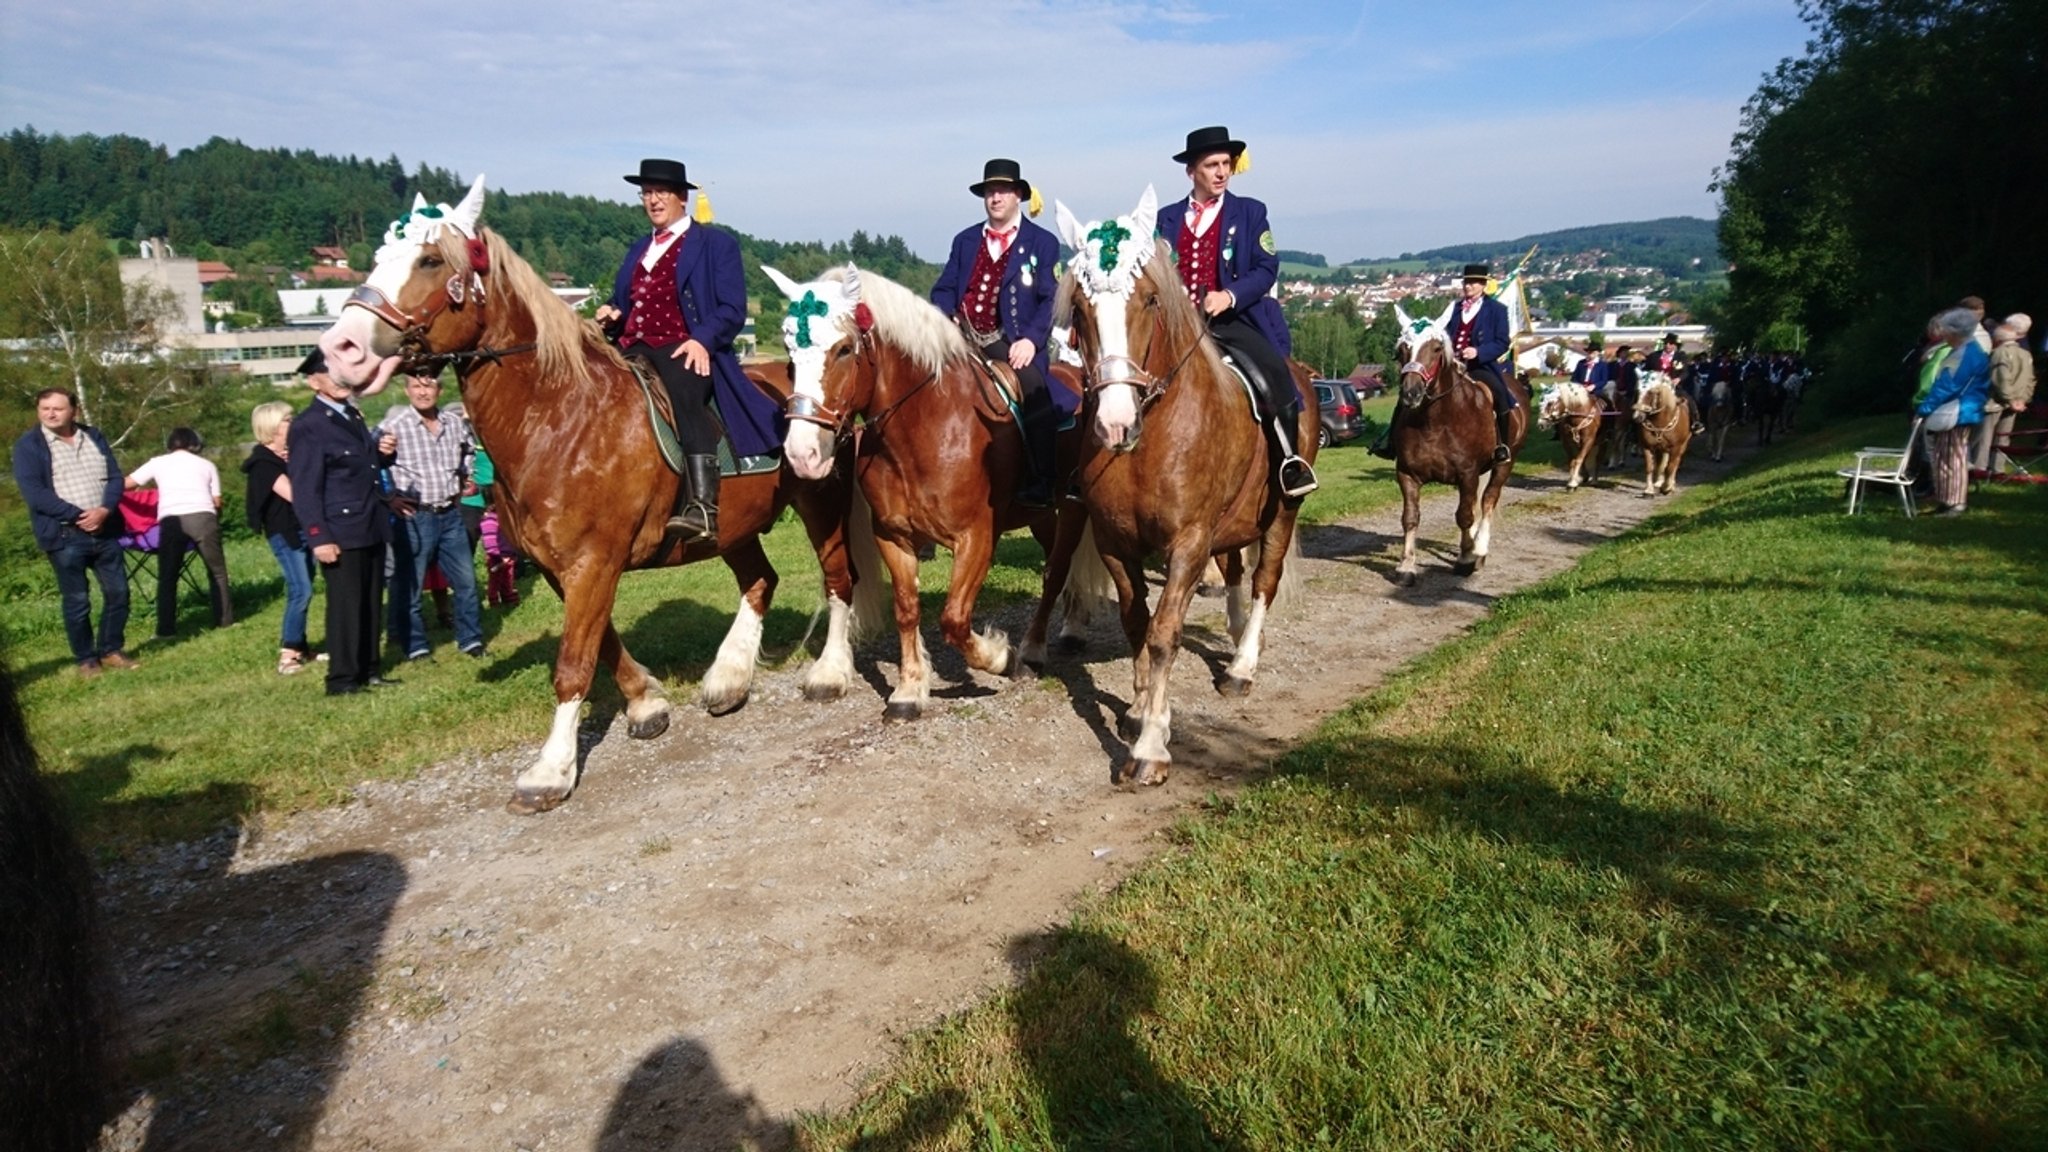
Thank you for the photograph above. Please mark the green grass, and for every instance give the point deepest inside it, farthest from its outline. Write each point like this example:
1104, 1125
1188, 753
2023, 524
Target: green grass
1731, 837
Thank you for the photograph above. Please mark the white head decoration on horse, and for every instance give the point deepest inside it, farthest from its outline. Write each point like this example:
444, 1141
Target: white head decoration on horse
414, 231
1417, 331
1109, 256
820, 313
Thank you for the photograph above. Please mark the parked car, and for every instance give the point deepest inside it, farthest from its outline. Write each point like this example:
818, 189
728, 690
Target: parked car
1338, 403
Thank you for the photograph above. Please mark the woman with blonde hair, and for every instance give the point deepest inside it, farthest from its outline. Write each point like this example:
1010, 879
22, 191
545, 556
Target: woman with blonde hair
269, 501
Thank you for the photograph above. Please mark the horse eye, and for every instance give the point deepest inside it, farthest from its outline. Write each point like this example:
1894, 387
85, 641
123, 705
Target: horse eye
430, 260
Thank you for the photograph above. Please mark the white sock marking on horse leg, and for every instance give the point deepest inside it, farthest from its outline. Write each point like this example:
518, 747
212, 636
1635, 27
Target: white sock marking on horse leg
915, 687
1153, 736
989, 650
1250, 639
556, 768
732, 673
1407, 551
1484, 538
834, 668
652, 701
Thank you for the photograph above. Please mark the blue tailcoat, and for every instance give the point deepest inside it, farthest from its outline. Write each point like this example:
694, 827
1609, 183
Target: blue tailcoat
1247, 269
1489, 332
1592, 372
711, 289
1023, 301
333, 469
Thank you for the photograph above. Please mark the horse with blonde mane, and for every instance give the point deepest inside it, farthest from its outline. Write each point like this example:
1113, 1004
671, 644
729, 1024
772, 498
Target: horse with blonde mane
581, 482
1578, 415
1664, 428
939, 455
1175, 464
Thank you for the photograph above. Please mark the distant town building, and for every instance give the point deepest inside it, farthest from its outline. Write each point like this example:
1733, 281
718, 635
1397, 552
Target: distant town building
163, 269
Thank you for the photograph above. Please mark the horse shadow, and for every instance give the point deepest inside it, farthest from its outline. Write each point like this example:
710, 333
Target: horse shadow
675, 1099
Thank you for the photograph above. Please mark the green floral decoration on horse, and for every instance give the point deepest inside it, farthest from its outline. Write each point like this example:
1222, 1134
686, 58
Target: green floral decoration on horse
802, 311
1110, 234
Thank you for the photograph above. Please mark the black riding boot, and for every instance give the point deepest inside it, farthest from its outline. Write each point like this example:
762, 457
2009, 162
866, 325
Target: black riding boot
1699, 422
1503, 425
1041, 447
697, 517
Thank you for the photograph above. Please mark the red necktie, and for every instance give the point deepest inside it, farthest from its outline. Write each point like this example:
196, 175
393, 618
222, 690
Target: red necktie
662, 238
1000, 239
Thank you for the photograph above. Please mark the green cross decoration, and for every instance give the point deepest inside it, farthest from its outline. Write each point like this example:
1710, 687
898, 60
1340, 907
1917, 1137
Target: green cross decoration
802, 311
427, 212
1111, 234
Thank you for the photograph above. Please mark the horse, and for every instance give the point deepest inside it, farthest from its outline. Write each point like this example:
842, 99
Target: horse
1446, 435
1577, 414
1720, 416
1664, 426
937, 456
1621, 397
581, 482
1761, 401
1174, 462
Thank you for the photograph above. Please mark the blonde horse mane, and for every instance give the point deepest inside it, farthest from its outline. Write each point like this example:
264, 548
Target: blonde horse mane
565, 343
908, 321
1656, 398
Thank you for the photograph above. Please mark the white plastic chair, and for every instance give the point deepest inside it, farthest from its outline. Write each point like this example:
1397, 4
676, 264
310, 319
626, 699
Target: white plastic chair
1893, 466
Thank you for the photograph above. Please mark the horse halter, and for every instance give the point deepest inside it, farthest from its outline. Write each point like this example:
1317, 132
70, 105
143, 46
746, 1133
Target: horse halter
1429, 378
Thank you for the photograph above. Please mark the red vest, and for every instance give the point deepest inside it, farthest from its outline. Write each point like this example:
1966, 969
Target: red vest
656, 317
1200, 260
978, 303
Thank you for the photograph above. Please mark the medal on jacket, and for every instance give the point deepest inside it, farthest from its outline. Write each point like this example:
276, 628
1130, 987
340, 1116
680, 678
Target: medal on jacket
1030, 263
1230, 244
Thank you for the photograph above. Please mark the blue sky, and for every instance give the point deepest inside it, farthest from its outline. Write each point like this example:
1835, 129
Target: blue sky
1375, 127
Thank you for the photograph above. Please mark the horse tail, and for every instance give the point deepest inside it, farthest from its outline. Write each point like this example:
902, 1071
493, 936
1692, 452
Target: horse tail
871, 601
1088, 584
1290, 586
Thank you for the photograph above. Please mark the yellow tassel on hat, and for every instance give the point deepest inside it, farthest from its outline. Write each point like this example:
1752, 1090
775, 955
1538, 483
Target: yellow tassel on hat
703, 213
1243, 163
1037, 203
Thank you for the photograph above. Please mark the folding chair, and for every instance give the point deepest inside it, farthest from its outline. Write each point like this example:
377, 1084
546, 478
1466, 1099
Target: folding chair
1893, 466
140, 542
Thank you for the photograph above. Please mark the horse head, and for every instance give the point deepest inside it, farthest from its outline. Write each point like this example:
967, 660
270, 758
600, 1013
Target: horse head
1107, 275
1421, 352
822, 331
427, 273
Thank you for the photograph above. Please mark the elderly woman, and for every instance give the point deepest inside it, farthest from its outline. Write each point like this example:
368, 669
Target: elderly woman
2012, 389
1961, 383
269, 501
188, 512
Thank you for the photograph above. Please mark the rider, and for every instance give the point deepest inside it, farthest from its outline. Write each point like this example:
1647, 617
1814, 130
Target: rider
999, 284
1479, 336
1670, 361
1228, 263
678, 300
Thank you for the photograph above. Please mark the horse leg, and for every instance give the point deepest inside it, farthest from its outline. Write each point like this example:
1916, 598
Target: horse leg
646, 703
832, 673
731, 675
1150, 761
1411, 517
1136, 618
1468, 504
913, 680
1649, 471
989, 650
1071, 525
586, 591
1575, 448
1482, 539
1232, 569
1251, 638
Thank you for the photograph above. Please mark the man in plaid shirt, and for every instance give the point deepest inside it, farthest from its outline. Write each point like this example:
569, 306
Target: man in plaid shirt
429, 475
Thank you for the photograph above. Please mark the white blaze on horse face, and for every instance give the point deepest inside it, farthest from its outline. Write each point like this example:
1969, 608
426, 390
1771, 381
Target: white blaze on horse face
359, 345
819, 313
1109, 257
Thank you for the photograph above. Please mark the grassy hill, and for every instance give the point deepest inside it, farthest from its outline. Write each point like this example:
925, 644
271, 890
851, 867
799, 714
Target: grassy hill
1671, 243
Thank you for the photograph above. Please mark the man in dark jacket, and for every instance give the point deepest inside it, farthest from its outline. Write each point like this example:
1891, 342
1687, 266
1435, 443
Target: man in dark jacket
72, 484
333, 466
1478, 328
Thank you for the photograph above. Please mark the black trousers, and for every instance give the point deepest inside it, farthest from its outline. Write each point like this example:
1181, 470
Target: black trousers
1250, 348
202, 529
689, 397
355, 589
1489, 375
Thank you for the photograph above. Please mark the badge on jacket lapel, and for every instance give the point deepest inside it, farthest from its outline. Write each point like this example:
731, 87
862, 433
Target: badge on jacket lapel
1030, 265
1230, 244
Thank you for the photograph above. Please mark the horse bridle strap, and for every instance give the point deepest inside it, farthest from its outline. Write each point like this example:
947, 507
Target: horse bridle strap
811, 410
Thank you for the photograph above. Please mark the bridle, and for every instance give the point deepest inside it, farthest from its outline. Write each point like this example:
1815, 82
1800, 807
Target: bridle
1109, 371
1430, 376
804, 409
412, 327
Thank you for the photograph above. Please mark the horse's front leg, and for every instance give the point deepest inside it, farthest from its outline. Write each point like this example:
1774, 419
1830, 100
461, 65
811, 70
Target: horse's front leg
1411, 518
1059, 564
1468, 515
586, 591
822, 506
1151, 761
973, 552
913, 678
731, 675
1489, 499
1127, 575
1649, 471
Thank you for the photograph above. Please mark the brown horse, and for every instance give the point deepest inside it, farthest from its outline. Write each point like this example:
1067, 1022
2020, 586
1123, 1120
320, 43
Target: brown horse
1446, 435
1174, 463
1579, 417
1664, 426
1720, 416
938, 456
581, 483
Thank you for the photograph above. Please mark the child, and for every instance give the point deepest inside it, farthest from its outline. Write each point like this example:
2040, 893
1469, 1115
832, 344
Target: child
501, 562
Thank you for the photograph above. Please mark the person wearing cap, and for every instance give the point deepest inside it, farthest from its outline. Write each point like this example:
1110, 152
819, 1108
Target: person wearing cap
1228, 262
1479, 337
678, 302
2012, 388
1671, 362
331, 461
999, 284
71, 483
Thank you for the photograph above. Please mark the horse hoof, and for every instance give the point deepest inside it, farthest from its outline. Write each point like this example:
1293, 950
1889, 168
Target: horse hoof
902, 710
1234, 686
1070, 644
1464, 567
649, 728
823, 693
1405, 579
725, 705
533, 801
1148, 773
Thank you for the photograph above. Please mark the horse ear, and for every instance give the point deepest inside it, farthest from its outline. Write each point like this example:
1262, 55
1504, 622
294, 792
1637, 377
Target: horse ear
1070, 228
1443, 319
419, 201
852, 281
783, 283
472, 207
1146, 215
1402, 318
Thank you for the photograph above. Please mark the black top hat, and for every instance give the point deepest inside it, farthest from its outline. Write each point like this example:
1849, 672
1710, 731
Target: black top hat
1671, 337
1478, 272
669, 172
1203, 141
314, 364
1002, 172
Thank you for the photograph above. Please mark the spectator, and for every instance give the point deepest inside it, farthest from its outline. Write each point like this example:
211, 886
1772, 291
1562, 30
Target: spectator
332, 464
269, 502
2012, 388
187, 509
430, 452
1981, 336
1963, 380
501, 561
72, 485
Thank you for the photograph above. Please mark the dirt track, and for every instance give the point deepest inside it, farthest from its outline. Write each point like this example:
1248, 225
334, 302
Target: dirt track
730, 923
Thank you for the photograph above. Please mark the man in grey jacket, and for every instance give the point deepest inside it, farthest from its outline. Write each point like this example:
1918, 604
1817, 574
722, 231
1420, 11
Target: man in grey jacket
2012, 388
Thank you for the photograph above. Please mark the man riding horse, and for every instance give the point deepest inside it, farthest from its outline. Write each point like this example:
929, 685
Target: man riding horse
999, 283
1478, 329
1228, 263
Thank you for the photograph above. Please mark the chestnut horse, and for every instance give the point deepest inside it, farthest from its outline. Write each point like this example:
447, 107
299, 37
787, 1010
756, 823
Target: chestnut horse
1174, 463
1446, 435
937, 455
1664, 427
1578, 415
581, 483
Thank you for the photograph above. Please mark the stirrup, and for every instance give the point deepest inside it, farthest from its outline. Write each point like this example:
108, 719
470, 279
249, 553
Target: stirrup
1304, 481
1502, 453
696, 521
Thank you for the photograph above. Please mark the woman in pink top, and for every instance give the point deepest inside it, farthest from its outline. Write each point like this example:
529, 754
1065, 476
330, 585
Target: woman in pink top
188, 512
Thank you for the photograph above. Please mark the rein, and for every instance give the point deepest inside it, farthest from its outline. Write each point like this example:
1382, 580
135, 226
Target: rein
809, 410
